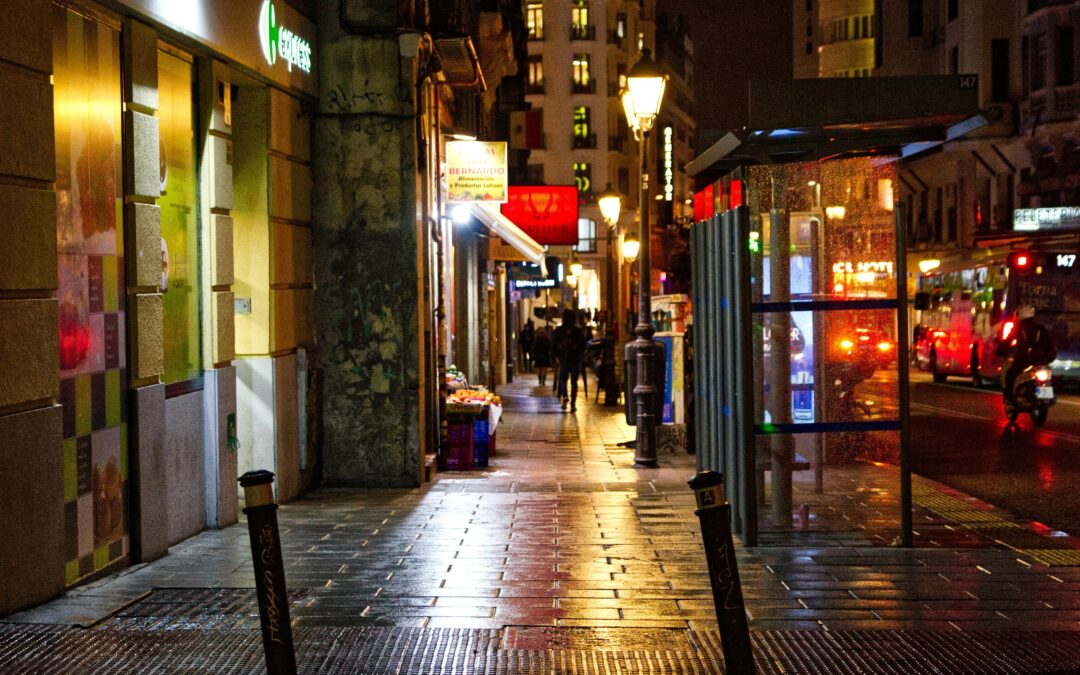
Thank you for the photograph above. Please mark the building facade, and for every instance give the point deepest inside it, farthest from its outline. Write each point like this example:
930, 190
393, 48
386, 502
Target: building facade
228, 250
963, 192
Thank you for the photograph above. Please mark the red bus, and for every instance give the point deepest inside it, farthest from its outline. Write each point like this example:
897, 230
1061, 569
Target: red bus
966, 309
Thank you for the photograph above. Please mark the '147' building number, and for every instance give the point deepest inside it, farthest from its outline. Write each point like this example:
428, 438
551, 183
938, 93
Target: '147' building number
1066, 259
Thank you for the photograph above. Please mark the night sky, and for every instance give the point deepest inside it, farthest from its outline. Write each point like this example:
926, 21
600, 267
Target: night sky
734, 41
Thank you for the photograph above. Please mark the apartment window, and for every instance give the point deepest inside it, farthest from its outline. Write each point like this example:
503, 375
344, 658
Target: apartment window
534, 174
640, 42
855, 32
620, 75
999, 70
1063, 67
867, 30
915, 18
620, 26
583, 136
809, 5
586, 228
583, 177
809, 28
954, 9
582, 81
624, 180
1038, 62
536, 73
534, 20
579, 20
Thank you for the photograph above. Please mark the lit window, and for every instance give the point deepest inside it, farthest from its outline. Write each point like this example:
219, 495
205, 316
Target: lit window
536, 72
534, 20
581, 122
579, 19
581, 71
583, 177
586, 235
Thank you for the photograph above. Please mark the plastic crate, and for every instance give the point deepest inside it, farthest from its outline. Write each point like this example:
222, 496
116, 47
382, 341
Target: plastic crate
481, 442
459, 444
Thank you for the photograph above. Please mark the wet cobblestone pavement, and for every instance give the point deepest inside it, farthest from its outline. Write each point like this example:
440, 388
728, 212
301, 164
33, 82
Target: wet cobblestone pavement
561, 557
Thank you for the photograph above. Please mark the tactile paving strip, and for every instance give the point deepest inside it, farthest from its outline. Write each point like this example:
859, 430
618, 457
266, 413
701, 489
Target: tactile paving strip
435, 651
991, 527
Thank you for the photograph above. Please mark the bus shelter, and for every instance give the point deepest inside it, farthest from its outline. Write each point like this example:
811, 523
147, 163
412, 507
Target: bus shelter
800, 331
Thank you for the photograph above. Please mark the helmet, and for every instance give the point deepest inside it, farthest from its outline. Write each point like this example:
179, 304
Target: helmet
1025, 312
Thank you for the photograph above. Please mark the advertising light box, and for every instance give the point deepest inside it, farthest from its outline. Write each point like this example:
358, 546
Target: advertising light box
547, 213
476, 171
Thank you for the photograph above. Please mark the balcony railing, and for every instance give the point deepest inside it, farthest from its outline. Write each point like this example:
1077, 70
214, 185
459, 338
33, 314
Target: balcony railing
583, 32
582, 142
534, 88
536, 36
588, 87
614, 39
613, 89
1051, 104
615, 143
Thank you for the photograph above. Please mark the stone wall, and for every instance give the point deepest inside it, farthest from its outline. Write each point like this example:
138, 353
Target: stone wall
365, 243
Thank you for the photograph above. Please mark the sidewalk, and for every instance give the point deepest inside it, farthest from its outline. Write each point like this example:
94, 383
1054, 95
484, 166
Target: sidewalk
563, 558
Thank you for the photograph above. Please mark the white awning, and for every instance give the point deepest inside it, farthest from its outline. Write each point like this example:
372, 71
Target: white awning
494, 220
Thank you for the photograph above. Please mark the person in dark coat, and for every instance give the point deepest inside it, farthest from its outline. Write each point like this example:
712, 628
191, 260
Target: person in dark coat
541, 354
568, 341
525, 340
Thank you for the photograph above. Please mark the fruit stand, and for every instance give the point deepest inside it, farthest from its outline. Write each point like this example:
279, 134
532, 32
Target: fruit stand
472, 415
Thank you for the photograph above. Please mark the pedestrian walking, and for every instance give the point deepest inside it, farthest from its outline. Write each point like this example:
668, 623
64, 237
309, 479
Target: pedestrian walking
525, 341
541, 354
568, 341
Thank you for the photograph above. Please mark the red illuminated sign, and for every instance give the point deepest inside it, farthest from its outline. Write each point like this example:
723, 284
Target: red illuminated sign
547, 213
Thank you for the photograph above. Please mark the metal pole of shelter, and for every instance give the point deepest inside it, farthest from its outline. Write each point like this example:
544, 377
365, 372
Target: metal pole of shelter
903, 377
743, 381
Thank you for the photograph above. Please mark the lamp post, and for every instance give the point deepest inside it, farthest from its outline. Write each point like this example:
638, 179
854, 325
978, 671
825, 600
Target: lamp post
610, 205
645, 85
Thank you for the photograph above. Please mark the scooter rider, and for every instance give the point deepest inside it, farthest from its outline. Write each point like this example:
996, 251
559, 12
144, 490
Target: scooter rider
1030, 346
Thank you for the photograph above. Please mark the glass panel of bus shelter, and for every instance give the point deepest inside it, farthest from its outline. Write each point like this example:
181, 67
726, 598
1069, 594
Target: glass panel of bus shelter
829, 403
832, 408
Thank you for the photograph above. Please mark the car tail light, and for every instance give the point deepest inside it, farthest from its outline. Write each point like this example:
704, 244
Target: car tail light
1042, 375
884, 346
864, 338
1006, 330
847, 344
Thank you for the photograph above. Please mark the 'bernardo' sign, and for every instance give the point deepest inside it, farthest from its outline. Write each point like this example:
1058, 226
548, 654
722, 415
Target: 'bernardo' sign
277, 40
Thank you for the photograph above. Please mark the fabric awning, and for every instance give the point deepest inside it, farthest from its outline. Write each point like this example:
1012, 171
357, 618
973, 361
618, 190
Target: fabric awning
494, 220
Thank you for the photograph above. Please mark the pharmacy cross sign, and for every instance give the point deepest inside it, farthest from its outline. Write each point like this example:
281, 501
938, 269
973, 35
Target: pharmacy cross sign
278, 40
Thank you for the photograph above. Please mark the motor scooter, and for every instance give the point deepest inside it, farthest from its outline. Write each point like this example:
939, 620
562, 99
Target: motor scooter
1032, 393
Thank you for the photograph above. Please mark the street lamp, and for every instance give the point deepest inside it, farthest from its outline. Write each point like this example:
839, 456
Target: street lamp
630, 248
645, 84
610, 204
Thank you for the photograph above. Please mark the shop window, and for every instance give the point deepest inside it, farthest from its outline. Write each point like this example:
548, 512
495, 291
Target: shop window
90, 292
583, 177
586, 235
582, 81
536, 74
534, 20
179, 206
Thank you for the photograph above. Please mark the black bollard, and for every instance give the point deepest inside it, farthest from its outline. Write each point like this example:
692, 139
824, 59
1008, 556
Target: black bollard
261, 511
715, 515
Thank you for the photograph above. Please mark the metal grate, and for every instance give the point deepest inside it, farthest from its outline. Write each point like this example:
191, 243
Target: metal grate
435, 651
